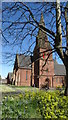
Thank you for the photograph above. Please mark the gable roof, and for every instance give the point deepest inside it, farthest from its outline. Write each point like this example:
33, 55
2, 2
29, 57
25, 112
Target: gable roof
24, 61
59, 69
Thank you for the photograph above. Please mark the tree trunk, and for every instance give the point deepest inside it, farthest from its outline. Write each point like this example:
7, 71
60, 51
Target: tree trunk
66, 56
66, 89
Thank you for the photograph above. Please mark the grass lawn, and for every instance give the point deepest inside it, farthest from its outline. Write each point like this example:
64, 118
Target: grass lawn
12, 88
6, 88
24, 88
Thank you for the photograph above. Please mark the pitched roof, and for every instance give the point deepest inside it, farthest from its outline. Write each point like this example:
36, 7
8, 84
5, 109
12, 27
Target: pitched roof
24, 61
59, 69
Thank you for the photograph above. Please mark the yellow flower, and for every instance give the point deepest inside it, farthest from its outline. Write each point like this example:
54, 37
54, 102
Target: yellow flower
44, 107
25, 107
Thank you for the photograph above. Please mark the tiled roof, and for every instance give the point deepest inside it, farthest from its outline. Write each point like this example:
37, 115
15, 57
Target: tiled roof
59, 69
24, 61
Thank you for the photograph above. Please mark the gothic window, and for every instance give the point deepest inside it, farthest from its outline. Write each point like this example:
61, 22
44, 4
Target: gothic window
26, 75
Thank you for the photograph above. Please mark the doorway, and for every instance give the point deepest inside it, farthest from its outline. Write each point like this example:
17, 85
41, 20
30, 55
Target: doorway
47, 82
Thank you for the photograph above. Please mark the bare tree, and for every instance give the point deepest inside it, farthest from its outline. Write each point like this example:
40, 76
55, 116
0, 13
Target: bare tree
66, 54
22, 24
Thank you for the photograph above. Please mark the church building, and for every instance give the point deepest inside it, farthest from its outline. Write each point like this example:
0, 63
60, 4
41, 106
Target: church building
39, 70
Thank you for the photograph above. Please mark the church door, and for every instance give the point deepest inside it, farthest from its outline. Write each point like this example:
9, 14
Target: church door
47, 82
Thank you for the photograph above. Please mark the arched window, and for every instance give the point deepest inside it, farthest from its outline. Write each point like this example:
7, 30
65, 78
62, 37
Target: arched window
26, 74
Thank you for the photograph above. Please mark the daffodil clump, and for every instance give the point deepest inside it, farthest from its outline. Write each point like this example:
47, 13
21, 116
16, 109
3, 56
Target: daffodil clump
53, 105
35, 104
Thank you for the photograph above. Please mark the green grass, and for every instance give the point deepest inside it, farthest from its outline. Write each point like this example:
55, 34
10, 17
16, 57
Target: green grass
6, 88
12, 88
24, 88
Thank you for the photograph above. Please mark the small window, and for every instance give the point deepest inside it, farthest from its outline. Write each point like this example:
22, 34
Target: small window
26, 75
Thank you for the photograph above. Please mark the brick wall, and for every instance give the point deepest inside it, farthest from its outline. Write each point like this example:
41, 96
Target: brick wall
58, 81
42, 81
22, 80
46, 70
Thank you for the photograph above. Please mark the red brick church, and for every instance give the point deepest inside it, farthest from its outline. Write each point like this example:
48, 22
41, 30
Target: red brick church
34, 70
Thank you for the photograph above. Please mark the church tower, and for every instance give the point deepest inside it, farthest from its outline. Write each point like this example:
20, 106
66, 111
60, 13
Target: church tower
43, 70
